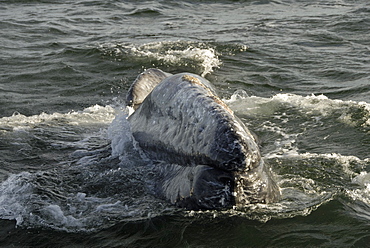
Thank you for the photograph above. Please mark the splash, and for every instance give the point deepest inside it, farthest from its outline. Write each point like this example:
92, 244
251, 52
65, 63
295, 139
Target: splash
103, 178
197, 57
90, 116
98, 180
360, 196
349, 112
308, 176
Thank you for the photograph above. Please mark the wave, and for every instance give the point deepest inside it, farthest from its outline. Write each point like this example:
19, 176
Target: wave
89, 188
101, 177
318, 105
147, 12
91, 115
359, 206
178, 56
306, 123
69, 72
315, 145
31, 143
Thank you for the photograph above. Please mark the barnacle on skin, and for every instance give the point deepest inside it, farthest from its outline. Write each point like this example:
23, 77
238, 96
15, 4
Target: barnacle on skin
194, 80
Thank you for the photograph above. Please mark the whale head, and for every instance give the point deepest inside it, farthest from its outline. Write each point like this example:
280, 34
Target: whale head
206, 157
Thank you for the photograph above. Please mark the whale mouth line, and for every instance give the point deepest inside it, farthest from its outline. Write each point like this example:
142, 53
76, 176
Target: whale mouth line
199, 187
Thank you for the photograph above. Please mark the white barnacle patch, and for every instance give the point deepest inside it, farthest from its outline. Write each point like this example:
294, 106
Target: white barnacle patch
220, 102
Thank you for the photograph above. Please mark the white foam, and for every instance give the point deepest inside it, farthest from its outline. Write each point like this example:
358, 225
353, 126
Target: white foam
322, 106
360, 207
11, 191
311, 105
109, 207
288, 118
53, 215
362, 193
363, 179
20, 201
92, 115
169, 54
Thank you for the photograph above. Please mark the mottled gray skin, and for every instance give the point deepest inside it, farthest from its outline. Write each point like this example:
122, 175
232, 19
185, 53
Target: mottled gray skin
210, 160
143, 85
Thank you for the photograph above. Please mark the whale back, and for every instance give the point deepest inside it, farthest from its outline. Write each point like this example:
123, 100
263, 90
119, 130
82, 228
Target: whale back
143, 85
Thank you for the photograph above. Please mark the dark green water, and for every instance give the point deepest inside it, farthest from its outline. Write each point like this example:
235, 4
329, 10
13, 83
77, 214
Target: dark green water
296, 72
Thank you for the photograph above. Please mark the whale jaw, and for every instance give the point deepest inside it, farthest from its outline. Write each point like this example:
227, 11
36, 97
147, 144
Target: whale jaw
204, 187
195, 188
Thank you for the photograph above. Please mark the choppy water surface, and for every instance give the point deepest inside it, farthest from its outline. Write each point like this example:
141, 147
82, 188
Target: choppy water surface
297, 73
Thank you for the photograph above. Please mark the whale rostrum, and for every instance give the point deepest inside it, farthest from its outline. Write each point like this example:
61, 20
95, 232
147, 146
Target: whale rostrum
206, 157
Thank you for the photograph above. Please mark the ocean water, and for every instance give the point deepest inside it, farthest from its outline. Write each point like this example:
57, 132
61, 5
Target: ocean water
296, 72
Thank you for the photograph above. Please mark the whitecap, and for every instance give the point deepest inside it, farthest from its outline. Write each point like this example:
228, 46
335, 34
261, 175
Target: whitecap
196, 56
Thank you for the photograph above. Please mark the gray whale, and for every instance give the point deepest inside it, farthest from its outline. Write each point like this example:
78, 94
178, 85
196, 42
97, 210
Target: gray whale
206, 157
